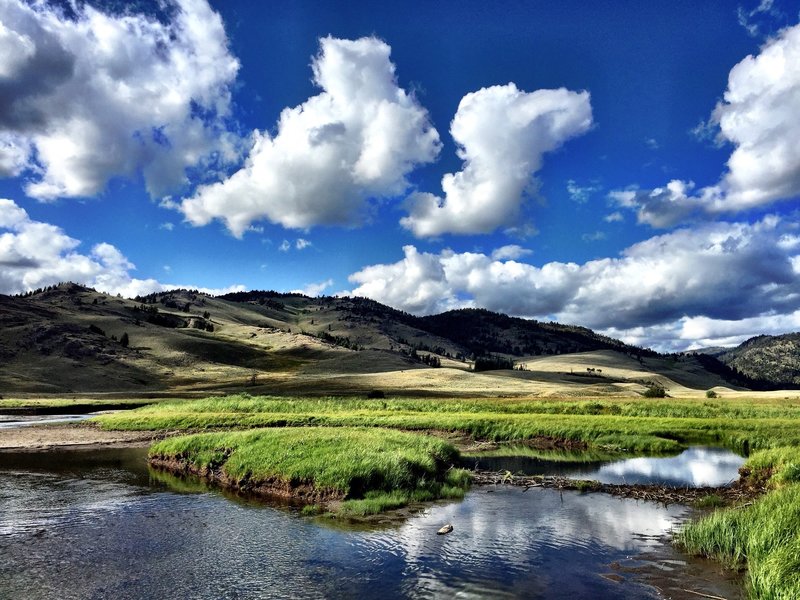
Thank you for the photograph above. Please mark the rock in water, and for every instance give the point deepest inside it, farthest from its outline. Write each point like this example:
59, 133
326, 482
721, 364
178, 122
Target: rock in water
446, 529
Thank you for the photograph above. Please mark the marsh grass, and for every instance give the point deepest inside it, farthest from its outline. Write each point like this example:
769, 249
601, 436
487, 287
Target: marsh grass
377, 467
371, 469
710, 501
763, 537
555, 455
621, 426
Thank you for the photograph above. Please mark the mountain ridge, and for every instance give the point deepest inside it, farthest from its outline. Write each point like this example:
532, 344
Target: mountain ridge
69, 339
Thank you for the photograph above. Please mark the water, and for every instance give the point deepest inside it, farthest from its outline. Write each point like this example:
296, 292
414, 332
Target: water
694, 467
97, 524
14, 421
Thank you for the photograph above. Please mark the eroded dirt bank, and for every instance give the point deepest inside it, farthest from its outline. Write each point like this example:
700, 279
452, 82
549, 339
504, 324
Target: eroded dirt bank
271, 488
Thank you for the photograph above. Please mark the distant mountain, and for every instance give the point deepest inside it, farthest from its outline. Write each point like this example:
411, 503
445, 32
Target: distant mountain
71, 339
775, 358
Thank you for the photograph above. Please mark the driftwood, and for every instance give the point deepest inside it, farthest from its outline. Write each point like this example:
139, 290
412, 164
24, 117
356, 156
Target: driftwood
739, 493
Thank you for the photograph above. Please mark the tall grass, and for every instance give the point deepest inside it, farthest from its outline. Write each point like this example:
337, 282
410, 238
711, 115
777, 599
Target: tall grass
764, 537
346, 463
243, 403
622, 426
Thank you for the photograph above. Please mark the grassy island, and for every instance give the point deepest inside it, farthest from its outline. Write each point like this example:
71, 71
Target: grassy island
360, 471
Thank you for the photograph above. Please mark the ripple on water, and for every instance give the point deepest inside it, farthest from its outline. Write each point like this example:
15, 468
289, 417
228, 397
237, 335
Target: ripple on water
67, 536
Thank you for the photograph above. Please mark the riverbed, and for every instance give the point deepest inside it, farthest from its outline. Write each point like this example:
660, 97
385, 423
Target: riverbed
97, 523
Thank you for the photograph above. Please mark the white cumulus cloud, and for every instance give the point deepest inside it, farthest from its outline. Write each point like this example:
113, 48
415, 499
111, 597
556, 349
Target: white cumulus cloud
502, 135
721, 271
512, 251
314, 289
356, 140
34, 254
759, 116
90, 96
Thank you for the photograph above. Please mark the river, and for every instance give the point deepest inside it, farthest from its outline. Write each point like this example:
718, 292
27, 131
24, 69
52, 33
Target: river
85, 524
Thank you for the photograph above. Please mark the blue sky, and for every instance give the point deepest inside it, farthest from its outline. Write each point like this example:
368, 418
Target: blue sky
633, 168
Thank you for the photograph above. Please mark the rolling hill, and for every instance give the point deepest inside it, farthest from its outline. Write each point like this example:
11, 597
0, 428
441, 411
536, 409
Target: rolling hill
69, 339
775, 358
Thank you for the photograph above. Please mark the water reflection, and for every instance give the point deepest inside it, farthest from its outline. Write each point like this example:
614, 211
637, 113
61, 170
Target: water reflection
14, 421
695, 467
94, 525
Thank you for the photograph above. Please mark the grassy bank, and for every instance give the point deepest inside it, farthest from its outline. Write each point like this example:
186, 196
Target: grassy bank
616, 426
350, 449
370, 470
67, 405
763, 537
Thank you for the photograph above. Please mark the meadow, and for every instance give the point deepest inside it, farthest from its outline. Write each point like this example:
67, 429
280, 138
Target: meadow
363, 451
616, 425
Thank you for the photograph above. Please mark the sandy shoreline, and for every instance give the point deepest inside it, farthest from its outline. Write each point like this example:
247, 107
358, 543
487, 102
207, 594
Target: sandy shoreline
45, 437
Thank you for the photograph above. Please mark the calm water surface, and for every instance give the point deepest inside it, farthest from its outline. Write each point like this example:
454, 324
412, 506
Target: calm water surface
97, 524
13, 421
694, 467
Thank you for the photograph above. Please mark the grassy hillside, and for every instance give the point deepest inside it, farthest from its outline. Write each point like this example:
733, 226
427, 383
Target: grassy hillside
774, 358
68, 339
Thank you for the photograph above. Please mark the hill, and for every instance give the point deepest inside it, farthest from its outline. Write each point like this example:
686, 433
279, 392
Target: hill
775, 358
68, 339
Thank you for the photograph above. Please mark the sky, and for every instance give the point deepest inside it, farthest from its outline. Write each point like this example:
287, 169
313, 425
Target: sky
632, 167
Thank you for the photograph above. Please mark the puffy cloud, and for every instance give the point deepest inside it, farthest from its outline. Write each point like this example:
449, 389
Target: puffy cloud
512, 251
758, 115
662, 207
502, 135
15, 151
722, 271
91, 96
35, 254
356, 140
416, 284
314, 289
703, 331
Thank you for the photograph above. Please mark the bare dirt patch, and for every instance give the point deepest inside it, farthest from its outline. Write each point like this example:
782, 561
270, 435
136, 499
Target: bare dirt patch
43, 437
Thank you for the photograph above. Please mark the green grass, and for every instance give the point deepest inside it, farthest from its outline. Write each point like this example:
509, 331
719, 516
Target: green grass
633, 426
763, 537
68, 403
782, 464
371, 469
710, 501
555, 455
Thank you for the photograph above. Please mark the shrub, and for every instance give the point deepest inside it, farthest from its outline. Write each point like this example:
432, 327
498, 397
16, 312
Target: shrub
712, 394
655, 391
